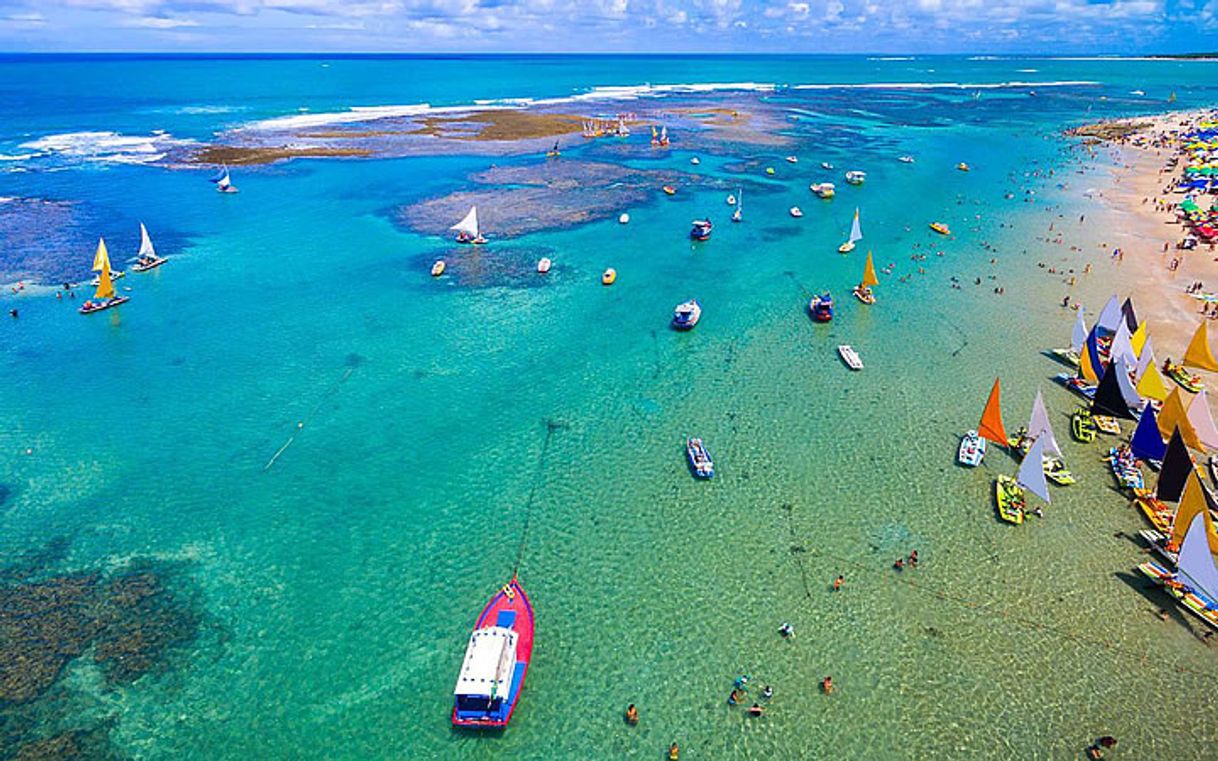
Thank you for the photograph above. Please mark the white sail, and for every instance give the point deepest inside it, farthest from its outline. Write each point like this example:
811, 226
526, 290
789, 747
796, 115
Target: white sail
1039, 428
146, 249
1132, 398
856, 232
1111, 316
468, 225
1145, 359
663, 134
1031, 474
740, 198
1202, 421
1122, 348
1079, 337
224, 181
1196, 563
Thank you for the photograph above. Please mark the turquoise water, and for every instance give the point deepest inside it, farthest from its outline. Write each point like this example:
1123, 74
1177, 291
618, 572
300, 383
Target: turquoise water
337, 587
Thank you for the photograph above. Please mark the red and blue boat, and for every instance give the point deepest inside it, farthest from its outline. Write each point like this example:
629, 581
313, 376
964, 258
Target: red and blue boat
701, 229
821, 307
496, 661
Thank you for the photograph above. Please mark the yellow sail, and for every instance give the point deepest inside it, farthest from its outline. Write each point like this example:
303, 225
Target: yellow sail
1198, 353
869, 278
1138, 339
1152, 385
105, 287
1192, 503
102, 257
1173, 415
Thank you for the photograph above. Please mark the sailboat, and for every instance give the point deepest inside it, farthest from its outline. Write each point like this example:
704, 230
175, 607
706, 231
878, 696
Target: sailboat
738, 214
663, 136
856, 234
1010, 492
1078, 337
862, 291
1173, 474
104, 295
1194, 583
224, 183
147, 257
1197, 355
655, 137
102, 259
467, 228
1039, 429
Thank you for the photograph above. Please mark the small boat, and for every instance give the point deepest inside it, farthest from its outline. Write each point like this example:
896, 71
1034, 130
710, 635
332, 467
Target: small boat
1107, 424
792, 160
224, 183
821, 307
1190, 382
699, 458
695, 161
850, 357
701, 229
1057, 472
437, 269
104, 297
1125, 468
862, 291
731, 200
1068, 356
686, 315
906, 159
1158, 541
856, 234
1154, 510
623, 219
738, 214
825, 165
940, 228
146, 259
609, 276
544, 264
467, 228
670, 190
972, 450
1010, 498
1077, 385
496, 661
1082, 426
823, 189
856, 177
769, 170
963, 167
796, 212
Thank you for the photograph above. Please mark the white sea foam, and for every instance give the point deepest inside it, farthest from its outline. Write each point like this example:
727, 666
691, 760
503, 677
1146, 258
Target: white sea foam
947, 85
106, 147
17, 156
891, 58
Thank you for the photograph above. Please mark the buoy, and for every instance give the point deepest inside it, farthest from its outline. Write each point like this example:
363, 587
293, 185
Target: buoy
624, 218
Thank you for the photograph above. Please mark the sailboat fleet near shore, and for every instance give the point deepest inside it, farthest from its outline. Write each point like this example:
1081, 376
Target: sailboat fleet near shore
1117, 377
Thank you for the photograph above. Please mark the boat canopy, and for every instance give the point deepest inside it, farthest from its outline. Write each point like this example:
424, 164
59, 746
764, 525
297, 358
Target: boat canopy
490, 659
469, 224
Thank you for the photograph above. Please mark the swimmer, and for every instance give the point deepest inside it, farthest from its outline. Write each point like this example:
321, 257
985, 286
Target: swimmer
632, 714
742, 683
767, 692
756, 710
826, 685
734, 697
837, 583
899, 565
913, 558
787, 630
673, 752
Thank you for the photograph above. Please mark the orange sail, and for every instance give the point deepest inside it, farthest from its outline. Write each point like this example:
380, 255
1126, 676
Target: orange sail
1173, 415
1198, 353
991, 420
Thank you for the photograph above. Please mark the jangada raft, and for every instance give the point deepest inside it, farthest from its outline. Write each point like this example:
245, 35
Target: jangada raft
496, 661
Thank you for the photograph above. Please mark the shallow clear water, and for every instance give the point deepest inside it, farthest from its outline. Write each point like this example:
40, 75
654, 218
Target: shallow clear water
339, 585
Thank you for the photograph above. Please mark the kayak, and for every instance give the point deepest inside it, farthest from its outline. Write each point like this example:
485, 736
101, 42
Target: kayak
1083, 426
1010, 499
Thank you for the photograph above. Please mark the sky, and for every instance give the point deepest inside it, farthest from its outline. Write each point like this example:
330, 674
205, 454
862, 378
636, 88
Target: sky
612, 26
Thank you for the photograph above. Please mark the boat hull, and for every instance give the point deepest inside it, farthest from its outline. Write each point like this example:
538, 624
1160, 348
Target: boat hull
511, 598
150, 266
94, 306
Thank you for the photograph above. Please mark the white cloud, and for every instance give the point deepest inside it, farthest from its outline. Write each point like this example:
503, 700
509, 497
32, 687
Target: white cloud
159, 22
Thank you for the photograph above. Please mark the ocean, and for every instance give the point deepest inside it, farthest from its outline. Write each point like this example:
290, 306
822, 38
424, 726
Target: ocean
316, 604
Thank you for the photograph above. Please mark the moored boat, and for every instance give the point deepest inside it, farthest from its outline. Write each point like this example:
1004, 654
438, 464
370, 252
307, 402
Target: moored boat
856, 177
1190, 382
700, 461
624, 218
544, 264
738, 214
731, 199
701, 229
963, 167
1082, 426
1125, 468
1010, 498
224, 183
850, 357
856, 234
826, 165
669, 190
972, 449
1107, 424
862, 291
940, 228
906, 159
795, 211
792, 159
437, 269
823, 189
496, 661
609, 276
695, 161
686, 315
821, 307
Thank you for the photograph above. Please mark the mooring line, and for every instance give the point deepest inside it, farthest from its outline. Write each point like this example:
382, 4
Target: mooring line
551, 426
301, 424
